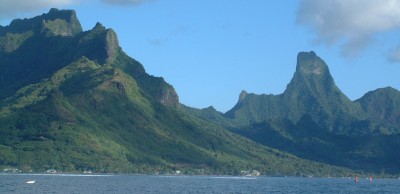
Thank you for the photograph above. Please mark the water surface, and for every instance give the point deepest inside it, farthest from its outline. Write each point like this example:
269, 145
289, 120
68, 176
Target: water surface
67, 183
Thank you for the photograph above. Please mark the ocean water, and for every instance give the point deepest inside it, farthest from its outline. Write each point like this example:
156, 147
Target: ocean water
16, 183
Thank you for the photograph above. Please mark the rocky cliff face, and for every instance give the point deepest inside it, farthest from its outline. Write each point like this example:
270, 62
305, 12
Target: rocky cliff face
55, 23
169, 97
111, 45
61, 23
99, 44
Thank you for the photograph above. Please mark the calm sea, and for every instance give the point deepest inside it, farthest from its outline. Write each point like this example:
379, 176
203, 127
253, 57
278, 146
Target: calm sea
16, 183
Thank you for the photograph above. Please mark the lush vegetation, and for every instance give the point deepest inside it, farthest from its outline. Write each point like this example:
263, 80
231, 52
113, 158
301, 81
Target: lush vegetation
383, 107
313, 119
88, 116
73, 101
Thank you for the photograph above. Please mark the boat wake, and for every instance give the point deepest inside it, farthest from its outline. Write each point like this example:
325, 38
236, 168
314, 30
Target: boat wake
234, 177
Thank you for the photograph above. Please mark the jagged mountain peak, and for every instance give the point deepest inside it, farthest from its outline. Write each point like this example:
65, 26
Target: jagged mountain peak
312, 76
312, 91
55, 22
309, 66
99, 27
103, 39
242, 95
309, 63
55, 13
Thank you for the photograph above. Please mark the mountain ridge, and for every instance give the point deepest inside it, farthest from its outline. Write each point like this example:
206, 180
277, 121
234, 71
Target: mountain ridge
75, 101
313, 119
65, 23
312, 90
382, 106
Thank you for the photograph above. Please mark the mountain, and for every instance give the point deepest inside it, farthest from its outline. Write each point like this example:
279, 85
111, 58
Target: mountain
72, 100
306, 139
48, 35
312, 91
313, 119
383, 107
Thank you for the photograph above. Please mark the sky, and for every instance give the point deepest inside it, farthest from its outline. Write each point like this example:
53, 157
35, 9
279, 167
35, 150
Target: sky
212, 50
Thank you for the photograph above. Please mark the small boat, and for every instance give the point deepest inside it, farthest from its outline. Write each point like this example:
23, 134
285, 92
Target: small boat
31, 182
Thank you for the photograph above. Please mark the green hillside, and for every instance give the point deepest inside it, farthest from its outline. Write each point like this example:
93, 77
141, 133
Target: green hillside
313, 119
383, 107
72, 100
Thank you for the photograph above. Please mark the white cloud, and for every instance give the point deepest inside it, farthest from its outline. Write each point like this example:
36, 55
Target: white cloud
350, 23
10, 9
125, 2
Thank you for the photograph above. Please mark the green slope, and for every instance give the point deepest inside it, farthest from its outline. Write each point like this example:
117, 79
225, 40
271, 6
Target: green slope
73, 100
88, 116
313, 119
383, 107
306, 139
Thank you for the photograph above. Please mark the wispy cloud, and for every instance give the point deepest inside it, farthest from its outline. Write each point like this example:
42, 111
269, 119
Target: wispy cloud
125, 2
394, 55
12, 8
157, 41
350, 23
177, 31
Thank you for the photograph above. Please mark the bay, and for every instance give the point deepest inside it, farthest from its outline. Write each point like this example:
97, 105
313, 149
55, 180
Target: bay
74, 183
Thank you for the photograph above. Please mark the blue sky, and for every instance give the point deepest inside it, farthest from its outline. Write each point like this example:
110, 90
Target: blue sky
212, 50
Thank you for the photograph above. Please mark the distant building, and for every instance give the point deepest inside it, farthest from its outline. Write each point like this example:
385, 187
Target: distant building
250, 173
11, 170
51, 171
